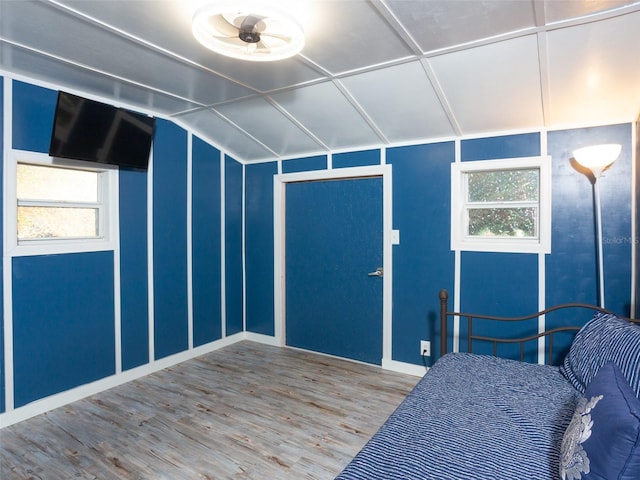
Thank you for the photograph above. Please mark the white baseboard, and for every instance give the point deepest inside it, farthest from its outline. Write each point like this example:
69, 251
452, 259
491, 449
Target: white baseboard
264, 339
392, 365
46, 404
402, 367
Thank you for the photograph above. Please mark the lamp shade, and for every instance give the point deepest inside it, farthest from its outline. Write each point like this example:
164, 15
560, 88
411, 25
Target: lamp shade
597, 157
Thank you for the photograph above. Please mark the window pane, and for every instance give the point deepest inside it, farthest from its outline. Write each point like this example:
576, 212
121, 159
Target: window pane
38, 182
57, 222
503, 186
503, 222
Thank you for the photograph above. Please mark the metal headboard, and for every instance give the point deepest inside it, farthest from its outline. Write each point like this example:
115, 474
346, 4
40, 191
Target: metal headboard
445, 314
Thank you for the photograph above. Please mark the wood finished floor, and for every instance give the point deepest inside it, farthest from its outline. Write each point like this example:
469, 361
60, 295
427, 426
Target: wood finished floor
247, 411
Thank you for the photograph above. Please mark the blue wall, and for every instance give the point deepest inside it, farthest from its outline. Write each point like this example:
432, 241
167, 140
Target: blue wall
63, 333
506, 146
206, 218
498, 283
76, 344
304, 164
259, 239
423, 262
571, 266
32, 117
170, 239
356, 159
134, 284
64, 305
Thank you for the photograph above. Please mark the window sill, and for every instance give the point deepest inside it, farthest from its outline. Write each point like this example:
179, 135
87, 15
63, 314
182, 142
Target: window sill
60, 247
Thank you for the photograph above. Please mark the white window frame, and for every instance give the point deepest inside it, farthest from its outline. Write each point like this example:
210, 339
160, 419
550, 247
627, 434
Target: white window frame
463, 242
108, 208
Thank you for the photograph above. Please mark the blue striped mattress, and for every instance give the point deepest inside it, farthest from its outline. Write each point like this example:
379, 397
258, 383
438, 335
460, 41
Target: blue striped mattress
473, 417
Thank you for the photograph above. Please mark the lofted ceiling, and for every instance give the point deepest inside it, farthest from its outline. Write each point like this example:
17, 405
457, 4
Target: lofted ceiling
372, 72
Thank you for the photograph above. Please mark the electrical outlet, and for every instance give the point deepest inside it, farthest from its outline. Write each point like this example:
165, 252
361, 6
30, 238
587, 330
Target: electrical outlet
425, 348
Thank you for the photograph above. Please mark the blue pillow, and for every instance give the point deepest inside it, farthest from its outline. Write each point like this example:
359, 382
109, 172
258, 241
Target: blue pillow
602, 441
606, 338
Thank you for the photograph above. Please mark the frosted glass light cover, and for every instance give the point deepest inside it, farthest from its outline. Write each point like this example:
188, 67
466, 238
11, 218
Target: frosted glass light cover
597, 157
276, 34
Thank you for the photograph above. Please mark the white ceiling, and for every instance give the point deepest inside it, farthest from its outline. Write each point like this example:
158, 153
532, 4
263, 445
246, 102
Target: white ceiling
372, 72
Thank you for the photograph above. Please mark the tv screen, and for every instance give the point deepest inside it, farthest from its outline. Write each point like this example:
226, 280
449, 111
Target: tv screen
96, 132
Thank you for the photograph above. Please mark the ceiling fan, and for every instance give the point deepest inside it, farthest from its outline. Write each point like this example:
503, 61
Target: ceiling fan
250, 30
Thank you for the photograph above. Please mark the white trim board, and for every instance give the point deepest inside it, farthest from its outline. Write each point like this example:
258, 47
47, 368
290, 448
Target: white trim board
58, 400
635, 241
150, 287
46, 404
407, 368
6, 257
190, 240
390, 365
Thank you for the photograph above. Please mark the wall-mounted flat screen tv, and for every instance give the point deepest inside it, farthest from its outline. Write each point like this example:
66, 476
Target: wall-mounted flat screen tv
87, 130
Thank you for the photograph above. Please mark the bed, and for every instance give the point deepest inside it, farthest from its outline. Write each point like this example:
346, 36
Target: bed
478, 416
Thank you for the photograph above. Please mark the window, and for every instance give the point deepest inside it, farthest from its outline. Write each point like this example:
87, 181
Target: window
501, 205
61, 204
56, 202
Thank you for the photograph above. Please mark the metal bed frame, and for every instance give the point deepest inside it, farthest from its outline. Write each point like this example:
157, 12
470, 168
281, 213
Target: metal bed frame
445, 314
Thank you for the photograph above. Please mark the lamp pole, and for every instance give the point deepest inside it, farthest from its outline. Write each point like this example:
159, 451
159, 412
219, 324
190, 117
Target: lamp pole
598, 158
600, 254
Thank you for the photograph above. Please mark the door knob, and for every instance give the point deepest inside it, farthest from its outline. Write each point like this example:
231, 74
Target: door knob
378, 273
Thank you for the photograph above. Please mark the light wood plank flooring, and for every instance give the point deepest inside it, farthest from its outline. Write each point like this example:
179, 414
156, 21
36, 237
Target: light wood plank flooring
247, 411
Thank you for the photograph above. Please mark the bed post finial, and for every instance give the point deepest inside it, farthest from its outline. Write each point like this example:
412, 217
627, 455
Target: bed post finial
444, 297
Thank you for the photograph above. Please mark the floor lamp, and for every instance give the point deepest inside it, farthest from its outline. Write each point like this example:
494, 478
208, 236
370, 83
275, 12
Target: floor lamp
597, 159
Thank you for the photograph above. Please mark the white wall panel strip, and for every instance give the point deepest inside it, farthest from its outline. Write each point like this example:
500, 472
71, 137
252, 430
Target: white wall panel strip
456, 269
244, 249
190, 239
542, 272
387, 256
150, 256
6, 257
635, 240
223, 262
279, 207
114, 221
545, 92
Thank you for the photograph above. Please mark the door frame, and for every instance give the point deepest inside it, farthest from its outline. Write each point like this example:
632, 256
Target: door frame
280, 182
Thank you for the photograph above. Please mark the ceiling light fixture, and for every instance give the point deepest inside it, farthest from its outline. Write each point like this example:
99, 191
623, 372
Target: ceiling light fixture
258, 31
